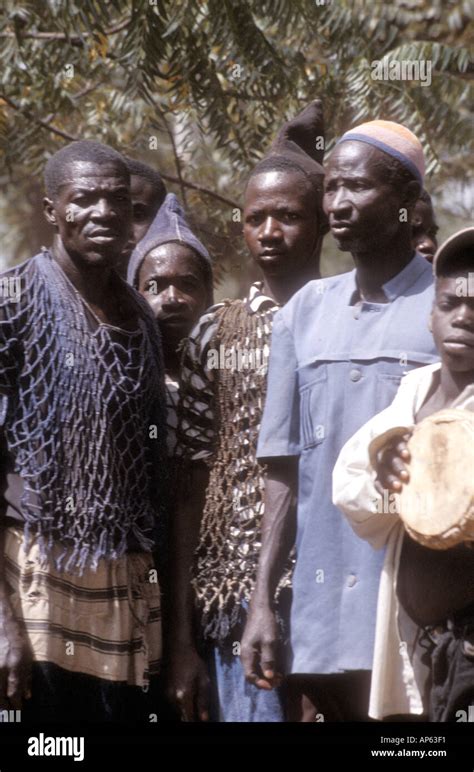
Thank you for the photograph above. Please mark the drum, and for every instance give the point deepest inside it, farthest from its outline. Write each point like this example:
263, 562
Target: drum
437, 504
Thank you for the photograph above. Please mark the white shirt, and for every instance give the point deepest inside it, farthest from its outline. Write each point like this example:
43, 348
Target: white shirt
394, 690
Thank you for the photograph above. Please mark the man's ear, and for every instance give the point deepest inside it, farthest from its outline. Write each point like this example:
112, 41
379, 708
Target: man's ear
49, 211
412, 193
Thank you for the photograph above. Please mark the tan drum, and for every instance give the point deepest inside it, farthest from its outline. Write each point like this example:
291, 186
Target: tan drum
437, 504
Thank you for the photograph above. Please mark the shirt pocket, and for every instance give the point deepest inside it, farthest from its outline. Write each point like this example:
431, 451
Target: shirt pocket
313, 406
386, 388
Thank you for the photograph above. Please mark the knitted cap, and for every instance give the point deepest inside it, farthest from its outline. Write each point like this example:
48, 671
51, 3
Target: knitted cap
395, 140
169, 225
299, 143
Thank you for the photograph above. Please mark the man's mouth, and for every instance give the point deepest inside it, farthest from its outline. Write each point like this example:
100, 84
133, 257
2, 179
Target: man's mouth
458, 344
268, 254
176, 318
102, 236
341, 228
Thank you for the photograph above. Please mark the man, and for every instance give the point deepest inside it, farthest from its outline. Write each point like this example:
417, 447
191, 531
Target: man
172, 270
85, 474
426, 600
424, 227
339, 349
222, 395
148, 192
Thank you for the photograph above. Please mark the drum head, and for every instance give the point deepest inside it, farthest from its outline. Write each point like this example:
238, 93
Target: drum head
437, 504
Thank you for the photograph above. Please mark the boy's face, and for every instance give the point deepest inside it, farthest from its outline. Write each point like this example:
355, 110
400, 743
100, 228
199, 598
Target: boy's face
452, 321
423, 230
280, 222
173, 284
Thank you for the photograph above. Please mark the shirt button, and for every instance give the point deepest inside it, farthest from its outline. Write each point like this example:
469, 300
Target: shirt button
355, 375
352, 580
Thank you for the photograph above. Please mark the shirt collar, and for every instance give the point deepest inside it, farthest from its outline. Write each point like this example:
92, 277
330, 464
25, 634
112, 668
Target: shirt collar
399, 284
256, 300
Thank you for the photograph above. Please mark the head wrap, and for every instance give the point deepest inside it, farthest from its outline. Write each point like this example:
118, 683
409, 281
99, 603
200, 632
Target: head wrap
395, 140
299, 144
169, 225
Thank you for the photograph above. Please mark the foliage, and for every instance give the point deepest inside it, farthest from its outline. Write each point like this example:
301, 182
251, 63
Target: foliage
212, 80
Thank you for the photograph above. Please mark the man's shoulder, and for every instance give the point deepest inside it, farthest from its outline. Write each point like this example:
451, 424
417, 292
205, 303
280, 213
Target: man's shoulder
309, 298
18, 285
419, 375
20, 269
208, 322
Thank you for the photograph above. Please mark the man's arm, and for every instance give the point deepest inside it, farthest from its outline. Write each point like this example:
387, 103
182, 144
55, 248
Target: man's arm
259, 648
15, 659
15, 662
188, 683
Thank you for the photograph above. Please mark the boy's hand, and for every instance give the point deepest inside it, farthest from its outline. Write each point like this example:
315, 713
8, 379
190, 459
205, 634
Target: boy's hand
391, 467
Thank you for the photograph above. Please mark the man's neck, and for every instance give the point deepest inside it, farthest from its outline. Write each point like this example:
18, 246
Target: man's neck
172, 357
375, 267
281, 289
452, 384
90, 281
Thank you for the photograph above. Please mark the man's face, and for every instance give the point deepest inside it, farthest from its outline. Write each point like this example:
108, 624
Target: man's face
423, 230
172, 282
280, 222
452, 323
363, 209
144, 206
92, 212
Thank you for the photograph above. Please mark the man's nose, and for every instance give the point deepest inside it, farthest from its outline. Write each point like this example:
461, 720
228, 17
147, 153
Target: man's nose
172, 296
464, 317
103, 208
339, 203
270, 229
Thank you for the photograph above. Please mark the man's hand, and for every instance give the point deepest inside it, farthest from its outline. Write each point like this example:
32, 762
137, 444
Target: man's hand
188, 684
15, 662
392, 471
259, 647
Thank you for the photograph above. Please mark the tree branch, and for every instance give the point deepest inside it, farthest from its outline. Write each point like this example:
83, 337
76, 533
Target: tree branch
201, 189
177, 160
63, 36
44, 124
177, 180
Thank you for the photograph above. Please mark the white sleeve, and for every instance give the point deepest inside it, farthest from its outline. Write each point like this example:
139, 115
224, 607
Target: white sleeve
371, 515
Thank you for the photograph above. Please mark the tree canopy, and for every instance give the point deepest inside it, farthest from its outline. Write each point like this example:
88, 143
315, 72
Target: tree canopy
198, 88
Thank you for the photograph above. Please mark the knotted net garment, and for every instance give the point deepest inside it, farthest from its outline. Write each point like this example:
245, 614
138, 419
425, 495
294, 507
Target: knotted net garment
226, 558
82, 409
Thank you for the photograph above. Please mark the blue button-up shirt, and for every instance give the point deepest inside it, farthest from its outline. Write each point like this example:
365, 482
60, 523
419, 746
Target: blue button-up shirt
335, 361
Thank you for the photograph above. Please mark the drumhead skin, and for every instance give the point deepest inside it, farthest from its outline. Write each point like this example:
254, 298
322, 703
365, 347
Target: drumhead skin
437, 504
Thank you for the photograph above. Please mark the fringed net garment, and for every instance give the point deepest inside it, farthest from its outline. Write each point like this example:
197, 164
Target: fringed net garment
83, 417
226, 559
